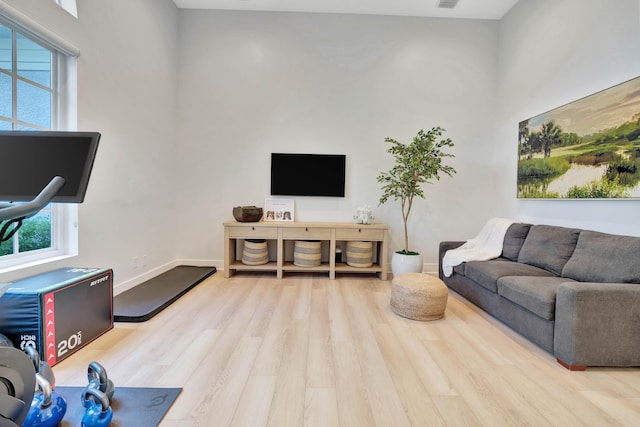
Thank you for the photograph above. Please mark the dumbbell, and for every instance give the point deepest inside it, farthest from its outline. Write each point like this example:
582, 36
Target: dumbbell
5, 341
98, 379
42, 367
17, 386
47, 406
98, 412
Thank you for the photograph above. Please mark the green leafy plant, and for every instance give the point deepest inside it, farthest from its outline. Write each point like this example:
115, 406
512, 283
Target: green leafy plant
34, 234
603, 189
416, 163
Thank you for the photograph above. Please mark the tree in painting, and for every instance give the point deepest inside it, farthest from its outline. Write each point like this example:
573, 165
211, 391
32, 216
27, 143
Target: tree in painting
550, 137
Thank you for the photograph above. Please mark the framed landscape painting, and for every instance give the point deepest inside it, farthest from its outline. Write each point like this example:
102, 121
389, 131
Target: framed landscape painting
587, 149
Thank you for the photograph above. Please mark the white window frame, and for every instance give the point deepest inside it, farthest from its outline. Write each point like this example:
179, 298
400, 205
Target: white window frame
64, 239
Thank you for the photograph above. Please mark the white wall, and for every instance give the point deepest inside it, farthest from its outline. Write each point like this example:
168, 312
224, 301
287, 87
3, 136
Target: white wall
551, 53
127, 83
253, 83
191, 104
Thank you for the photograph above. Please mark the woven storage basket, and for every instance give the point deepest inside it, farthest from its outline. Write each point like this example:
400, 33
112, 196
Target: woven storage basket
418, 296
360, 254
255, 252
307, 253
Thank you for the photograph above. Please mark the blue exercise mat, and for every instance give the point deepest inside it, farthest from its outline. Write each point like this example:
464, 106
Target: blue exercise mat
132, 406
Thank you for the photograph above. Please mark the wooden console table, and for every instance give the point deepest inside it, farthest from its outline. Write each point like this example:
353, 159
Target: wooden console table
281, 236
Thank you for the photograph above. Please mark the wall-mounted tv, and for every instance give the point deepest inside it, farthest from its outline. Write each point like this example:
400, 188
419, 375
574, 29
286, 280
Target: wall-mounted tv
31, 159
307, 174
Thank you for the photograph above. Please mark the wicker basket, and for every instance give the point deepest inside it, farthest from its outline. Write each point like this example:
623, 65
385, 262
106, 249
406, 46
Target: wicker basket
255, 252
307, 253
360, 254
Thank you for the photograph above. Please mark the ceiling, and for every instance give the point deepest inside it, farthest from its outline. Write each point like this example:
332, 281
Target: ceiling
468, 9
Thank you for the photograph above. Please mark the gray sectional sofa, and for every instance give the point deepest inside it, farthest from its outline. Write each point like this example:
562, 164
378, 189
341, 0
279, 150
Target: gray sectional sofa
575, 293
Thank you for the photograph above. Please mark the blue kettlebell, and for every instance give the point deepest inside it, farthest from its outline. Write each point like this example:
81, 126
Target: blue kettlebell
47, 407
98, 412
97, 376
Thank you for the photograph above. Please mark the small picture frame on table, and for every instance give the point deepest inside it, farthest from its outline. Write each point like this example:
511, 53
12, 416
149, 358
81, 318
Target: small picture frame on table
279, 210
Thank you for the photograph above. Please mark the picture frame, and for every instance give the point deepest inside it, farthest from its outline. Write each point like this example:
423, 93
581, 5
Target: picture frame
586, 149
276, 209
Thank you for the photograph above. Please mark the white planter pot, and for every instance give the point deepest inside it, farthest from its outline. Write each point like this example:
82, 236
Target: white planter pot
401, 263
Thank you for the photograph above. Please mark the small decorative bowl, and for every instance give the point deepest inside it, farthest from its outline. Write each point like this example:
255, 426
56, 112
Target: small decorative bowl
247, 213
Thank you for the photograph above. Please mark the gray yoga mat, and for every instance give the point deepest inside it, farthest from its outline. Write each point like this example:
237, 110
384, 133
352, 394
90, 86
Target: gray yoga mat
132, 406
144, 301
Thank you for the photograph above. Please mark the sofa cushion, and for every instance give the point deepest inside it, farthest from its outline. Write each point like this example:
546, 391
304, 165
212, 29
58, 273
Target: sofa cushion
460, 268
487, 273
549, 247
514, 239
601, 257
536, 294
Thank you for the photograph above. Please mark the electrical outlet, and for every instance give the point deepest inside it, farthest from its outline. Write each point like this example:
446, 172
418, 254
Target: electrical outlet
144, 260
136, 262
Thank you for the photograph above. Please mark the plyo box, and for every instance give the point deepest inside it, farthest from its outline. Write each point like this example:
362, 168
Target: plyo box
58, 312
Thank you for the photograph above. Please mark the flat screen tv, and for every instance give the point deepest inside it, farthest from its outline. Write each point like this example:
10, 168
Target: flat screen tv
31, 159
307, 174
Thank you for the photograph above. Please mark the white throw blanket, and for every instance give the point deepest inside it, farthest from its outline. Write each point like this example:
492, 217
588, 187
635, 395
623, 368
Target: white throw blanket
486, 245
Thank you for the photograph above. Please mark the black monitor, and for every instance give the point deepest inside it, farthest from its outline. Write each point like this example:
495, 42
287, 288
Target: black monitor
29, 160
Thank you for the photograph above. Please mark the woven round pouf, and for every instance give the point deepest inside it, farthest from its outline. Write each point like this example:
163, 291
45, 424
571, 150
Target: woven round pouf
418, 296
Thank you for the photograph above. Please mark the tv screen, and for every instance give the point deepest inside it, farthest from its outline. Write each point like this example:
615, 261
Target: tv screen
307, 174
30, 159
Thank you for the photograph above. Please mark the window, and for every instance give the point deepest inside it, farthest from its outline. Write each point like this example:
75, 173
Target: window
26, 77
32, 98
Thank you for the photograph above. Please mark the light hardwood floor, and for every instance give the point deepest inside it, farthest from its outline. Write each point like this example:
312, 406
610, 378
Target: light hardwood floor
252, 350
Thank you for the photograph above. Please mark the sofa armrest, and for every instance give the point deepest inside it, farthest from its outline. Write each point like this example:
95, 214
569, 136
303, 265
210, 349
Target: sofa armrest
597, 324
443, 248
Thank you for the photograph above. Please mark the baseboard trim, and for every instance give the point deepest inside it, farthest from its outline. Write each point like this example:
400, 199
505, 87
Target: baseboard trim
429, 268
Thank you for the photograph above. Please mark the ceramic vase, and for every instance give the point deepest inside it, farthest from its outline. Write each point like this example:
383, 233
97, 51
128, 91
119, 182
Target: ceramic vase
401, 263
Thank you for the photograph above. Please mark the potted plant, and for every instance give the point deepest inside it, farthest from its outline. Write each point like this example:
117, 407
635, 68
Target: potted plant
416, 163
